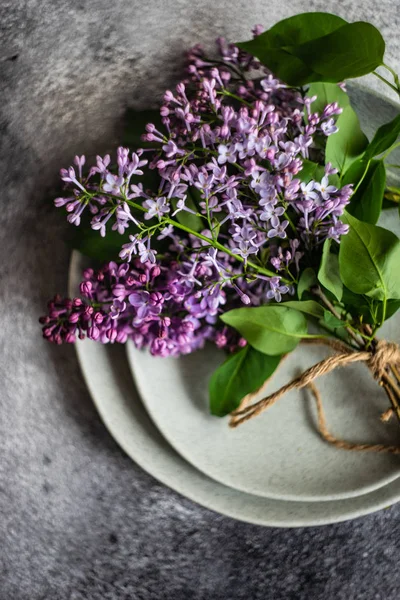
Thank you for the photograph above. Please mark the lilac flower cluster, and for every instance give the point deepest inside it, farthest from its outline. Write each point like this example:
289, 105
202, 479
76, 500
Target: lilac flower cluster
159, 308
228, 157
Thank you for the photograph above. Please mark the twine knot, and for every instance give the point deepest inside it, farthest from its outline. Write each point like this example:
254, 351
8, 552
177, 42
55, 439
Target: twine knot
382, 357
384, 354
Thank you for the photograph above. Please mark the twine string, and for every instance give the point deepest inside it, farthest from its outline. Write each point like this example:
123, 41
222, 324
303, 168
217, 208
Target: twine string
384, 355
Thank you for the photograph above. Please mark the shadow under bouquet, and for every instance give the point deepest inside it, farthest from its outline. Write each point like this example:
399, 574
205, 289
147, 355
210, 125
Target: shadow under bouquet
244, 214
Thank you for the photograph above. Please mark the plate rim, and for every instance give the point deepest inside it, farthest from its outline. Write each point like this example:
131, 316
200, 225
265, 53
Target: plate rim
367, 503
131, 349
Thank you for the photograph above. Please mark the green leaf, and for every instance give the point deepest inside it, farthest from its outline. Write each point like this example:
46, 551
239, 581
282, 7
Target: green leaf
308, 279
369, 259
328, 273
302, 28
318, 47
353, 50
271, 47
331, 321
269, 329
308, 307
351, 299
354, 173
366, 203
326, 94
359, 305
310, 170
384, 137
242, 373
343, 147
392, 307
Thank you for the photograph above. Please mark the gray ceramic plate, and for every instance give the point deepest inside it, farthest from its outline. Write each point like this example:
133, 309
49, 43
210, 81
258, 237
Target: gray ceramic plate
279, 455
110, 383
108, 378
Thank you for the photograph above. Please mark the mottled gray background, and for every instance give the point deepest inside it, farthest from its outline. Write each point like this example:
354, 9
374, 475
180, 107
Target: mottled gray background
78, 519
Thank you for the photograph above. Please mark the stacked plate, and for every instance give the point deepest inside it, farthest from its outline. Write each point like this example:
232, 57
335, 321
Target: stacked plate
274, 470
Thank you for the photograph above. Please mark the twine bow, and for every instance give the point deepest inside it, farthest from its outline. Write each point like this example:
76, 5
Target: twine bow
378, 360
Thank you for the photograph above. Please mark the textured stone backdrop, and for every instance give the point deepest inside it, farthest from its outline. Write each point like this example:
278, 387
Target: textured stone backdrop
78, 519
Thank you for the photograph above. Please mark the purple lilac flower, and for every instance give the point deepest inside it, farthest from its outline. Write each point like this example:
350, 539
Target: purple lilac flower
324, 188
234, 167
276, 289
172, 323
156, 208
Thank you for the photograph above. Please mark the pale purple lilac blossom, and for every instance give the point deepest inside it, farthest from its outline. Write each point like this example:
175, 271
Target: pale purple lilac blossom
236, 164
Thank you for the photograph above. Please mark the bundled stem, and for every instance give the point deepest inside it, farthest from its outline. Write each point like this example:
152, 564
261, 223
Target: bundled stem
381, 357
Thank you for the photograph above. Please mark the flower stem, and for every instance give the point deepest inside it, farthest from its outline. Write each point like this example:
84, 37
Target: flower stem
362, 178
225, 92
387, 82
223, 248
202, 237
320, 294
392, 147
394, 75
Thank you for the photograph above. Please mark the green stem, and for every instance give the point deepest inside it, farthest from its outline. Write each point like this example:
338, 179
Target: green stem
394, 75
223, 248
384, 308
225, 92
387, 82
362, 178
290, 222
389, 150
320, 294
200, 236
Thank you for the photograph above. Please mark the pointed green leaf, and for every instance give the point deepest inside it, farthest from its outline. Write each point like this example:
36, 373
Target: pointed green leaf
345, 146
369, 260
318, 47
270, 329
328, 273
353, 50
242, 373
392, 307
384, 137
308, 307
326, 94
271, 47
308, 279
366, 203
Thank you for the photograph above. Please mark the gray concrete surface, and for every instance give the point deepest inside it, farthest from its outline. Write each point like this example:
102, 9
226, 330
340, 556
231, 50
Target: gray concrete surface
78, 519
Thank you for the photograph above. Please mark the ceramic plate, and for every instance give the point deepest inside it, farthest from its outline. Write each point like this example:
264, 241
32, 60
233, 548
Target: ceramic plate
279, 454
110, 383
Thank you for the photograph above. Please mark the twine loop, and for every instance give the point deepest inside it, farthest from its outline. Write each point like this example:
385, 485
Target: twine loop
378, 359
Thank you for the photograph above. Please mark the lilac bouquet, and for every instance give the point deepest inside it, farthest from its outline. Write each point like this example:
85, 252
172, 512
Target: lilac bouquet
247, 209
